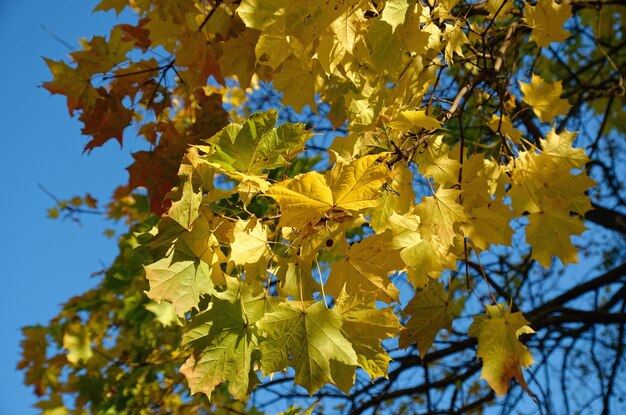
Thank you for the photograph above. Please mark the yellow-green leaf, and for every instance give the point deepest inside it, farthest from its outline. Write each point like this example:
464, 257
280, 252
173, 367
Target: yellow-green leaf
430, 311
503, 355
179, 279
306, 337
77, 341
222, 344
366, 326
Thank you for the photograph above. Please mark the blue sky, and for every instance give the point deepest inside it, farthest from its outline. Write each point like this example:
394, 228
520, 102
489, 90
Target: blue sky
45, 262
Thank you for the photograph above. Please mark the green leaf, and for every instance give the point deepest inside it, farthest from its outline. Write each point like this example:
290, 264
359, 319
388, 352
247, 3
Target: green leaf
256, 146
223, 342
307, 337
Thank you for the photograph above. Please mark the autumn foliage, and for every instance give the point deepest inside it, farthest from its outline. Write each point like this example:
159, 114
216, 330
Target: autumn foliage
260, 249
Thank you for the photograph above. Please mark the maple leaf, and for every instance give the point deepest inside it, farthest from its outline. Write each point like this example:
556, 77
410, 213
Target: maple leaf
430, 312
261, 14
440, 213
223, 343
38, 371
503, 124
297, 82
165, 313
130, 80
193, 48
544, 98
553, 225
295, 280
385, 46
74, 84
136, 34
187, 199
156, 170
489, 225
303, 200
273, 47
364, 269
546, 21
394, 12
398, 198
306, 337
502, 353
108, 119
77, 341
254, 147
250, 248
435, 162
366, 326
346, 29
444, 8
117, 5
414, 121
560, 147
455, 38
234, 61
100, 55
349, 185
179, 279
427, 255
153, 170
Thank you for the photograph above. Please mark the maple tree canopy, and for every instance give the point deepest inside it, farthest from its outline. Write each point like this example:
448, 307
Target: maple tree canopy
336, 194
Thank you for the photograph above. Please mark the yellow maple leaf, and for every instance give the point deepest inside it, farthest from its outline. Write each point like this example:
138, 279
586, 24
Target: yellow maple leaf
436, 162
414, 121
346, 28
398, 198
366, 325
546, 21
77, 341
423, 257
273, 47
444, 8
489, 225
364, 269
394, 12
302, 200
249, 246
549, 232
439, 214
560, 147
261, 14
544, 98
501, 7
348, 186
503, 355
455, 39
297, 82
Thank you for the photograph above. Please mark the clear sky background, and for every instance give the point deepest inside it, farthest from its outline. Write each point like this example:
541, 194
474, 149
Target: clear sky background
44, 262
